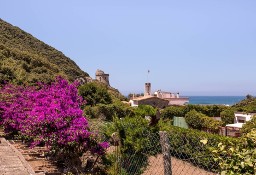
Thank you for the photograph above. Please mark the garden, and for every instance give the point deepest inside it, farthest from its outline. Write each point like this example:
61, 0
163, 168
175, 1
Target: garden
88, 129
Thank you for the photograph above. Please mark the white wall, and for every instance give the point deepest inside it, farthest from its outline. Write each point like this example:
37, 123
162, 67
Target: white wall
243, 116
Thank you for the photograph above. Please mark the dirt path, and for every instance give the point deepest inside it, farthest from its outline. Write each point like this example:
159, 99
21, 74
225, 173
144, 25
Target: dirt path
179, 167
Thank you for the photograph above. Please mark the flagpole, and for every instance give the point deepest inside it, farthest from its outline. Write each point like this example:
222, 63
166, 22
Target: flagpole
148, 75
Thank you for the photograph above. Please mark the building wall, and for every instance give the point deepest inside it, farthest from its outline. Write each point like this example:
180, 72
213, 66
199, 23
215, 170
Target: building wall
164, 95
154, 101
177, 101
133, 103
242, 117
147, 89
102, 77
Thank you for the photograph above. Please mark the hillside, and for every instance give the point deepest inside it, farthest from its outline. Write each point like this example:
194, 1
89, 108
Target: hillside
246, 105
25, 59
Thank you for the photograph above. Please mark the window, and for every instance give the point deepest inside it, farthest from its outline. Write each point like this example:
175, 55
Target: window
241, 121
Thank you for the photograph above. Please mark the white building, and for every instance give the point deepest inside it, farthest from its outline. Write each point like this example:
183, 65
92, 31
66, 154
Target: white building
173, 98
241, 117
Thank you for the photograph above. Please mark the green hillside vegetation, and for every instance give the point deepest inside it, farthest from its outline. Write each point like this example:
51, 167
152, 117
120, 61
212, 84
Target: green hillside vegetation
96, 92
25, 59
102, 100
246, 105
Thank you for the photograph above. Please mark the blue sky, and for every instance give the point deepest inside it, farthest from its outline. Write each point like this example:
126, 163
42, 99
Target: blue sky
195, 47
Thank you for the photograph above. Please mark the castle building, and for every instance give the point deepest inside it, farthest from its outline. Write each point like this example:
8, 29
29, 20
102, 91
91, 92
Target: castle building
159, 99
102, 77
147, 91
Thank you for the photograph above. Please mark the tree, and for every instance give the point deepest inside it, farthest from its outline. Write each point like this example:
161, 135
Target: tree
95, 93
249, 97
227, 116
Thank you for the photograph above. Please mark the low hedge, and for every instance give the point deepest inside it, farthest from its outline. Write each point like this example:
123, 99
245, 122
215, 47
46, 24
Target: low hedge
181, 111
249, 125
186, 144
197, 120
173, 111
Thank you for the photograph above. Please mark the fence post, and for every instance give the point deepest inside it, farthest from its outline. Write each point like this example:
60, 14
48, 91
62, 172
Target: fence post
116, 142
164, 140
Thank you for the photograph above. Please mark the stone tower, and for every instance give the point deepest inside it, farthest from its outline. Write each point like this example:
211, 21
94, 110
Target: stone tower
102, 77
147, 89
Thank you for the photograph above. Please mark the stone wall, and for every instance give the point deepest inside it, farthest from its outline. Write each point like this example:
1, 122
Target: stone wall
102, 77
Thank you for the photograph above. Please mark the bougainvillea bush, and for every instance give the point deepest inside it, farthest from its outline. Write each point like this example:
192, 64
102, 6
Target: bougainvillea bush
49, 114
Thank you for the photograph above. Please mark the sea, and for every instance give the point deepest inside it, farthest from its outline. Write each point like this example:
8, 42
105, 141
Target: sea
215, 100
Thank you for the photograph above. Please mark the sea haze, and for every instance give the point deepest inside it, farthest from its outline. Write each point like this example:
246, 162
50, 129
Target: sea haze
223, 100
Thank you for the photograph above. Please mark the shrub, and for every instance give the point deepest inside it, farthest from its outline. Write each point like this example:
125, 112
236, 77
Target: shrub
197, 120
173, 111
181, 111
91, 112
185, 144
227, 116
209, 110
247, 105
249, 125
137, 139
49, 114
145, 110
237, 158
116, 109
194, 119
95, 93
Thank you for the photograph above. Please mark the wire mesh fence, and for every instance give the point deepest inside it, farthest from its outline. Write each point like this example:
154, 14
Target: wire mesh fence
150, 161
186, 153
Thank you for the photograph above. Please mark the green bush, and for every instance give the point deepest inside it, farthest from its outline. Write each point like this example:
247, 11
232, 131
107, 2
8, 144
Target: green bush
91, 112
227, 116
181, 111
145, 110
237, 158
173, 111
197, 120
131, 130
138, 140
95, 93
209, 110
194, 119
249, 125
185, 144
116, 109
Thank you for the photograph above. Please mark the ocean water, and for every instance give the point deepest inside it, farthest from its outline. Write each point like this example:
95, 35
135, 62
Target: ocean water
223, 100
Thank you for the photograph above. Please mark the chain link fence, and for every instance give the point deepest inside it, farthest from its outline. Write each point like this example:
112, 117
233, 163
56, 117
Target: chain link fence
151, 161
177, 154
